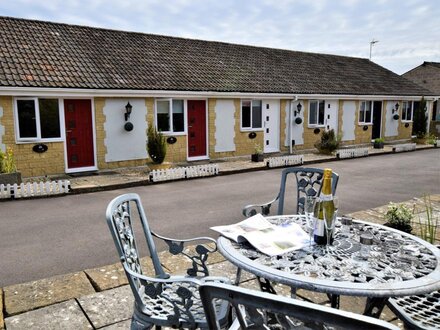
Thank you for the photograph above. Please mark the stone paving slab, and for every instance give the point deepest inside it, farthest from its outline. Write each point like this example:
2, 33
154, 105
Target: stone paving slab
113, 276
178, 264
124, 325
66, 315
108, 307
25, 297
107, 277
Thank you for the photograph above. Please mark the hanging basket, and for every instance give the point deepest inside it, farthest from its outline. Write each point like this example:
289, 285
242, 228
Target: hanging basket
396, 117
298, 120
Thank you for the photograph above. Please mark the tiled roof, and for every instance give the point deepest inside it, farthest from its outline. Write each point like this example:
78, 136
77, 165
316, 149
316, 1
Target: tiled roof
435, 64
45, 54
426, 75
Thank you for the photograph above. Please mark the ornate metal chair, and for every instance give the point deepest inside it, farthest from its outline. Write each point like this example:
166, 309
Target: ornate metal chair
418, 312
308, 183
163, 300
260, 310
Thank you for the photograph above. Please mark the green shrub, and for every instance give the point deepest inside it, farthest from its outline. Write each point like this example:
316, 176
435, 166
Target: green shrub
399, 216
379, 140
431, 139
156, 145
257, 149
7, 161
329, 142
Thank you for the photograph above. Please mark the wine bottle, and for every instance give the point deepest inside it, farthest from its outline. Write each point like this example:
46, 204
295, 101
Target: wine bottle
324, 207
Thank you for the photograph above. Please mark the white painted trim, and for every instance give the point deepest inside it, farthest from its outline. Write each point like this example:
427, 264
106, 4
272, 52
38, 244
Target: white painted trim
348, 97
81, 169
371, 111
170, 109
191, 159
38, 138
95, 158
72, 92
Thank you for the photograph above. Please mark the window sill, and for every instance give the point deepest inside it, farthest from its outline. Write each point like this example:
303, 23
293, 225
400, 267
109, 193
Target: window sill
316, 126
39, 141
407, 121
247, 130
363, 124
174, 134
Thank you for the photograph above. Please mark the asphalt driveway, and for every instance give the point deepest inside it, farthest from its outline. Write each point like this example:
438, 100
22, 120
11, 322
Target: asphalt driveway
46, 237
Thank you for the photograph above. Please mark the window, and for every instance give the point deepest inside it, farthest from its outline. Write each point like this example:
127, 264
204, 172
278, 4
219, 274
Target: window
365, 116
316, 113
251, 114
38, 119
170, 116
407, 111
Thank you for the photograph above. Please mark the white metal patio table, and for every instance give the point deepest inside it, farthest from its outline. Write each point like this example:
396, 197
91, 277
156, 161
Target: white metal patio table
400, 264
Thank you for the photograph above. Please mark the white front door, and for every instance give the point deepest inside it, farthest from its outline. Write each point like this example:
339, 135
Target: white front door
271, 125
331, 115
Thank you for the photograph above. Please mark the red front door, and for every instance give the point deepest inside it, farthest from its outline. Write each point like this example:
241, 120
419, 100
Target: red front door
79, 133
196, 128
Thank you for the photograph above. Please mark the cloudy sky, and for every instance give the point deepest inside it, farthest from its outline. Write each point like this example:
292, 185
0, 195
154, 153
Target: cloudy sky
408, 31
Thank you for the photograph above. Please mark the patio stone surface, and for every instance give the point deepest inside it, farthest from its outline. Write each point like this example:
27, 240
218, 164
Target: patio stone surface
66, 315
108, 307
113, 276
123, 325
178, 264
107, 277
25, 297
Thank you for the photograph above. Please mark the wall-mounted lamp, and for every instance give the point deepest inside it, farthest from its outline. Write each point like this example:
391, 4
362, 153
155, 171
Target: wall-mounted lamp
396, 108
128, 109
298, 109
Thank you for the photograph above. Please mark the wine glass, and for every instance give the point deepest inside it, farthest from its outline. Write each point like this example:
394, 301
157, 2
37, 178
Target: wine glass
336, 205
309, 208
329, 223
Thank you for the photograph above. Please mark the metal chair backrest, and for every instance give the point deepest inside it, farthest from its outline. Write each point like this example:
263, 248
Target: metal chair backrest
309, 183
255, 310
120, 214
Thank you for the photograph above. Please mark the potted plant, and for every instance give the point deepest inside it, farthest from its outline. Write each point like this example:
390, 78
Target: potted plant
156, 145
257, 156
378, 143
329, 142
399, 216
8, 171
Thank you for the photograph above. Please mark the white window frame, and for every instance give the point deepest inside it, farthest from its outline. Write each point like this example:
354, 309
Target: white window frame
170, 111
251, 129
362, 121
317, 124
38, 138
404, 110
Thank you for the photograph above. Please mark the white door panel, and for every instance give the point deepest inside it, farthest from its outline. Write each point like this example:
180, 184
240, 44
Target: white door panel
331, 115
271, 125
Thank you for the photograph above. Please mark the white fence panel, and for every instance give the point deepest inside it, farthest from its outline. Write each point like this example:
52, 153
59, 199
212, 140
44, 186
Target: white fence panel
5, 191
404, 147
184, 172
34, 189
285, 161
352, 152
